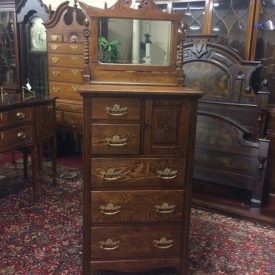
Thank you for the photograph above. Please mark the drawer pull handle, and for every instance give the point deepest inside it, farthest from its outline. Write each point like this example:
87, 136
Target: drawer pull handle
56, 90
55, 47
55, 37
55, 74
167, 174
74, 58
111, 174
110, 209
20, 115
165, 208
55, 59
21, 135
109, 244
163, 243
116, 141
116, 110
75, 88
75, 71
74, 47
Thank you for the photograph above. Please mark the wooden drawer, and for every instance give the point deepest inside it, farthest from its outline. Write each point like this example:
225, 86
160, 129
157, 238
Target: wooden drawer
69, 106
16, 137
66, 48
135, 241
137, 206
15, 116
72, 120
67, 75
62, 60
116, 108
115, 138
114, 172
64, 90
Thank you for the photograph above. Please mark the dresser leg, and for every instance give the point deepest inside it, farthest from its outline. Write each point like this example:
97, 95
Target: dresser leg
25, 164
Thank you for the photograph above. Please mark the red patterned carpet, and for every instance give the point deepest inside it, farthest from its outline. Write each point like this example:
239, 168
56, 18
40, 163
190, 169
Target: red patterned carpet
45, 237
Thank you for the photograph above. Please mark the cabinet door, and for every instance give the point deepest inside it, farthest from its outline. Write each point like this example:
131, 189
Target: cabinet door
8, 46
166, 126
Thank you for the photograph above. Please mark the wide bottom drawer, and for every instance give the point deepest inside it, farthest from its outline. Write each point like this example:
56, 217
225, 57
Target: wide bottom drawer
135, 241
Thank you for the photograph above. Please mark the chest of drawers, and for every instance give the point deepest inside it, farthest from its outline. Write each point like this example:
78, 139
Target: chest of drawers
138, 157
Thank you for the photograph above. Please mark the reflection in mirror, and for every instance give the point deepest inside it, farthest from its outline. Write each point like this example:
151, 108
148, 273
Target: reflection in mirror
132, 41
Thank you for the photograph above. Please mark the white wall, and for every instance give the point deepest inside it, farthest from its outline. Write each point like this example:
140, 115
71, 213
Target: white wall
95, 3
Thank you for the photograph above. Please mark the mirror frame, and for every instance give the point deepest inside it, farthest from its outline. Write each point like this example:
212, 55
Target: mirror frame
122, 9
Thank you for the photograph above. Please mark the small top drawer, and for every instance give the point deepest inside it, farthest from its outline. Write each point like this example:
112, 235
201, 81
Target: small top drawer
69, 48
15, 116
116, 108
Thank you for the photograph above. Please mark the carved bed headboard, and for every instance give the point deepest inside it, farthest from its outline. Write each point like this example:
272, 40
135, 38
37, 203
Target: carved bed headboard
226, 78
230, 146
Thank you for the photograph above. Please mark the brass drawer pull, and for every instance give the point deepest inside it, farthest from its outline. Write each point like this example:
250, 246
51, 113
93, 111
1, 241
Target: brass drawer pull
55, 37
75, 71
116, 110
55, 74
20, 115
109, 244
116, 141
55, 89
163, 243
74, 58
21, 135
110, 209
111, 174
55, 47
55, 59
75, 88
165, 208
73, 47
167, 174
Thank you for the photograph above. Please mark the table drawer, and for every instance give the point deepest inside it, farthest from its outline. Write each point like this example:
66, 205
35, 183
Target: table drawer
15, 116
115, 138
67, 48
68, 75
135, 241
74, 61
137, 206
138, 172
16, 137
116, 108
69, 106
73, 120
64, 90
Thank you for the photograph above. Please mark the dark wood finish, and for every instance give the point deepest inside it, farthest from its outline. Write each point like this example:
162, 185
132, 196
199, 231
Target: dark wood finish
28, 121
230, 145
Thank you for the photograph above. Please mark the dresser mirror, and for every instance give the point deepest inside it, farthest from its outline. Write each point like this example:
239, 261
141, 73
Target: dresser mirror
130, 37
134, 41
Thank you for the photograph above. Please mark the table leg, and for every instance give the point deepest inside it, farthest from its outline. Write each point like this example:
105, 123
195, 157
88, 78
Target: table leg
34, 162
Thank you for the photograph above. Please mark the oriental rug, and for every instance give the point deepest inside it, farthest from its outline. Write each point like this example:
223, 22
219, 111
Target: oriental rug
45, 237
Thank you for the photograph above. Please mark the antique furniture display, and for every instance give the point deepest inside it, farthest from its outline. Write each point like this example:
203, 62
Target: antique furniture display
27, 121
139, 127
231, 148
65, 65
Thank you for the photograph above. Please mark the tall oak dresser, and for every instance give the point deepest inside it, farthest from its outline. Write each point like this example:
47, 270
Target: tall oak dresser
139, 136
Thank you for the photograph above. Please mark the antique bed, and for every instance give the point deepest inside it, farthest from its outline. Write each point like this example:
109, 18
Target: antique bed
231, 148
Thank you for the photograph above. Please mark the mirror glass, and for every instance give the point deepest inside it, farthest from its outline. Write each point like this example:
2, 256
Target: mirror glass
133, 41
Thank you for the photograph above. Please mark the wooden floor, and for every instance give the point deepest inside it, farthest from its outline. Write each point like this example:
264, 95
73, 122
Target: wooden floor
233, 202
